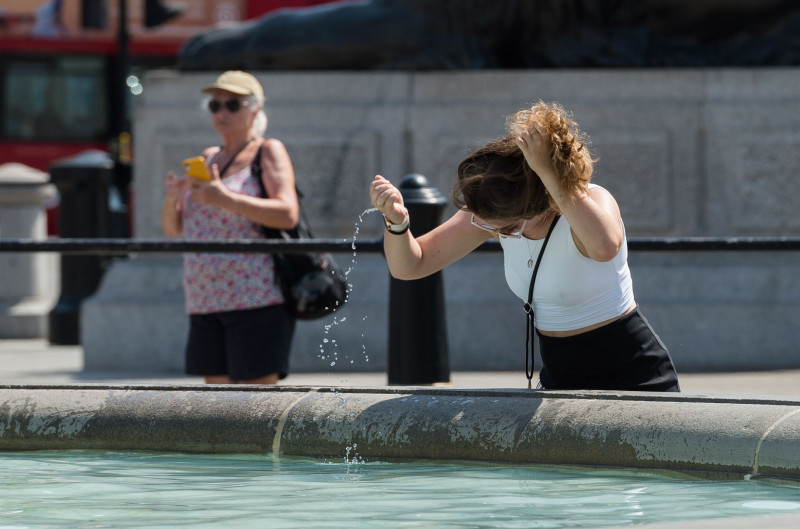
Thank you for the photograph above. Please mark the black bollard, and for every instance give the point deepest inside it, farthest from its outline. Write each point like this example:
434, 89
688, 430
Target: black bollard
83, 184
418, 352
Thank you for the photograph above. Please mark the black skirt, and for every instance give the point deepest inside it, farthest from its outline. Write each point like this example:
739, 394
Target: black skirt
626, 354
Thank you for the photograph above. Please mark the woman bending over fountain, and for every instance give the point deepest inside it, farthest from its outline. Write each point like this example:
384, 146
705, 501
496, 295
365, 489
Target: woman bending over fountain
565, 252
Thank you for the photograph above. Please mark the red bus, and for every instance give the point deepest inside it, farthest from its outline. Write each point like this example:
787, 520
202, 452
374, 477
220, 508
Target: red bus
60, 72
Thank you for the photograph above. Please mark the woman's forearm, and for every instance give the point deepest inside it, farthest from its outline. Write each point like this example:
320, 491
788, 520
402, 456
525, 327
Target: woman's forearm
171, 219
403, 255
414, 258
272, 212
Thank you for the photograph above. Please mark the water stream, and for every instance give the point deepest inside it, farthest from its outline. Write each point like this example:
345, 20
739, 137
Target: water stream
329, 350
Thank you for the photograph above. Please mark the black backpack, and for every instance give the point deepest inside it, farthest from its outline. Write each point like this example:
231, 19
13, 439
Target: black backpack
313, 285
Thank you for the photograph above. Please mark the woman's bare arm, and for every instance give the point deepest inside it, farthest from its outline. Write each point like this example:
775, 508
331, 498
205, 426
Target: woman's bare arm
593, 215
413, 258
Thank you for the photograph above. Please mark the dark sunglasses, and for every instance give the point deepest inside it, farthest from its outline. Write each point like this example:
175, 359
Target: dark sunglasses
233, 105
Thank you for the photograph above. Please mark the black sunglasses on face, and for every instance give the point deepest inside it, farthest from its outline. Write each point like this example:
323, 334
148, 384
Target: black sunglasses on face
233, 105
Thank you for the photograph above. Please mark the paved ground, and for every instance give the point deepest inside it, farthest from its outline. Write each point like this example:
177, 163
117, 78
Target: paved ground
38, 362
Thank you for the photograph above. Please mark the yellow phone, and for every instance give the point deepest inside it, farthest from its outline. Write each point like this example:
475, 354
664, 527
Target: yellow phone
196, 168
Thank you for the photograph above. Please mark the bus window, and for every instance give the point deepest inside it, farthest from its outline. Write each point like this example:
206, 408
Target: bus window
62, 99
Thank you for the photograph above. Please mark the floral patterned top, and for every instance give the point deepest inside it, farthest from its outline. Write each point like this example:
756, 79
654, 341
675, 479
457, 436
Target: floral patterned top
220, 282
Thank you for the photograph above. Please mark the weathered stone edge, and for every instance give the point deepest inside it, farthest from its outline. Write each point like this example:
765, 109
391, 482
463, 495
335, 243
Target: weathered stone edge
752, 436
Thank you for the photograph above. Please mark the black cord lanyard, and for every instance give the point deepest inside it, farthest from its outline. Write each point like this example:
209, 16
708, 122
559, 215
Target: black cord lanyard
530, 338
232, 158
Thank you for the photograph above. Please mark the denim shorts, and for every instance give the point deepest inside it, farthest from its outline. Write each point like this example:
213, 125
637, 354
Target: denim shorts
243, 344
626, 354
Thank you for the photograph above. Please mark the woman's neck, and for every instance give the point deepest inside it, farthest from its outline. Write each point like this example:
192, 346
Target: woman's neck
230, 150
537, 227
235, 144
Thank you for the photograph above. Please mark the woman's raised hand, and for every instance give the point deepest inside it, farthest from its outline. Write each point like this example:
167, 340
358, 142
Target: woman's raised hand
536, 149
176, 187
211, 193
387, 199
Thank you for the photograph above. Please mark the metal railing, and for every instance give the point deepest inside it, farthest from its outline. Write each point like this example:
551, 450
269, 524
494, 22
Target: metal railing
127, 246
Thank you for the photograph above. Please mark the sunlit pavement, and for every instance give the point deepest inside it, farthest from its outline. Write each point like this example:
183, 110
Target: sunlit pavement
39, 362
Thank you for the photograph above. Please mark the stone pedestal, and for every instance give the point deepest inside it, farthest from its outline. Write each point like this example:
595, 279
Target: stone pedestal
29, 283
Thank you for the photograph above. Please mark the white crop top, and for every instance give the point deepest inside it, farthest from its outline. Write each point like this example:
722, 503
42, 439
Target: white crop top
571, 290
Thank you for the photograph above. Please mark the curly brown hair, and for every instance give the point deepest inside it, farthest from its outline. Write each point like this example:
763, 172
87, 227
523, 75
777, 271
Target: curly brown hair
496, 182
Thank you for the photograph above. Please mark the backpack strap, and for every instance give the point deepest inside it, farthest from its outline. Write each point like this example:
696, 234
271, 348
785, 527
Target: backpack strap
272, 233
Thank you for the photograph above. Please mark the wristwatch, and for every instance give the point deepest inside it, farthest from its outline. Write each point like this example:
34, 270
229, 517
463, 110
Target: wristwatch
396, 229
